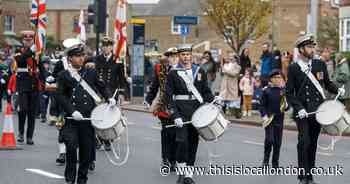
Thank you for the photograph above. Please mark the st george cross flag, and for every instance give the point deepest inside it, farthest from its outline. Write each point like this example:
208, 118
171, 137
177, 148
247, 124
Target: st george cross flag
82, 32
39, 22
120, 30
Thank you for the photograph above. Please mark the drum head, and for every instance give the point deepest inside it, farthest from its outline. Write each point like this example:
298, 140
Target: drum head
205, 115
104, 116
330, 112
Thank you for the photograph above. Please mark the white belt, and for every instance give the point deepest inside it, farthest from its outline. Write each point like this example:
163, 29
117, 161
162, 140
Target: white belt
184, 97
22, 69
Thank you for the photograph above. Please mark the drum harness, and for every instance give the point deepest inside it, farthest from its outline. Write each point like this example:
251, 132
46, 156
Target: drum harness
98, 100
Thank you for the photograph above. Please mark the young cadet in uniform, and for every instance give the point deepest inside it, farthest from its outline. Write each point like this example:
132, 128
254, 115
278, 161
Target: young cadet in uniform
156, 97
273, 105
78, 104
183, 101
109, 71
305, 94
27, 86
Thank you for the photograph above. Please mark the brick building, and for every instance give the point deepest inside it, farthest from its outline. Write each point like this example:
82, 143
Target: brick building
290, 20
14, 17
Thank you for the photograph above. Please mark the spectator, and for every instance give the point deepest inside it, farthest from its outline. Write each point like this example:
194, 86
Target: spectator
285, 61
3, 78
244, 61
326, 57
276, 61
342, 77
247, 87
209, 66
229, 91
257, 94
266, 60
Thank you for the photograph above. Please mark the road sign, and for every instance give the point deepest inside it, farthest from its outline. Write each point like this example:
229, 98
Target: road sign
185, 29
188, 20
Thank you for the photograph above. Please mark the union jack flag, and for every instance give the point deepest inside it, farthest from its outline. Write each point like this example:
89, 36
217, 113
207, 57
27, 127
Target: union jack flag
39, 22
120, 24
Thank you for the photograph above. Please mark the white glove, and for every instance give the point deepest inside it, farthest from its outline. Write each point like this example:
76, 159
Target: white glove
302, 114
265, 118
3, 81
179, 123
218, 100
129, 80
112, 101
341, 91
147, 105
77, 116
9, 92
50, 79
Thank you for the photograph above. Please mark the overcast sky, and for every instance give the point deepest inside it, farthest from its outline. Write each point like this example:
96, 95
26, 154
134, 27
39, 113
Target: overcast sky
143, 1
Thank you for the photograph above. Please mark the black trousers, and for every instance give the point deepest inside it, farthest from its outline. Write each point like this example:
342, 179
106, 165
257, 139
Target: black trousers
186, 144
273, 141
28, 103
308, 132
78, 134
168, 143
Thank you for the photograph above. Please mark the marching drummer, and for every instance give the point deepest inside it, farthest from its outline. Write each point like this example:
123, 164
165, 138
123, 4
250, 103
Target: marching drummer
186, 89
273, 106
76, 87
304, 90
159, 106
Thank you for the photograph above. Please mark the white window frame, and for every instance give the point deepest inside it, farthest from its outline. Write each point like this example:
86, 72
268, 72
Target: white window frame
8, 18
345, 37
173, 26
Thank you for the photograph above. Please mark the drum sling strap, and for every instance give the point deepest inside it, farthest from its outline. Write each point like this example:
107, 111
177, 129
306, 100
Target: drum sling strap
83, 83
305, 69
190, 85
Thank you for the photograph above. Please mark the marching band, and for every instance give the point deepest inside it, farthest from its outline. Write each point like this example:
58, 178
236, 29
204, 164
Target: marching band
179, 90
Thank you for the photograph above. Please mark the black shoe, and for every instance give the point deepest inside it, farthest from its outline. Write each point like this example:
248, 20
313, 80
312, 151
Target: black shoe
180, 179
61, 160
188, 180
30, 141
43, 120
312, 182
20, 138
265, 164
303, 181
92, 166
81, 182
107, 147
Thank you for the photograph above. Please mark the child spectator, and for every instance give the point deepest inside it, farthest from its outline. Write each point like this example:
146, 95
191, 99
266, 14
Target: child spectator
246, 85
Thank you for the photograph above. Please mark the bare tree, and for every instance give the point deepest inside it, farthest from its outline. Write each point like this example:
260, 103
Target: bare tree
239, 21
328, 32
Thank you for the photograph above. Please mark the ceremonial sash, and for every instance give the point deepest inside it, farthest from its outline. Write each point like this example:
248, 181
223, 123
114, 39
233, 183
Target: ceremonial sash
190, 85
308, 73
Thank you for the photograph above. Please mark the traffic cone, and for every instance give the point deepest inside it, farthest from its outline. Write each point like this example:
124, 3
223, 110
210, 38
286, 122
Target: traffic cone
8, 141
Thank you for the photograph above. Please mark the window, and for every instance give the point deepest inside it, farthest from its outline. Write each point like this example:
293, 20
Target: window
347, 44
175, 28
341, 28
9, 23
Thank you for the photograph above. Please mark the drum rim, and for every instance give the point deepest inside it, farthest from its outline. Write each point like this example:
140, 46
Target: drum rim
106, 127
215, 119
318, 118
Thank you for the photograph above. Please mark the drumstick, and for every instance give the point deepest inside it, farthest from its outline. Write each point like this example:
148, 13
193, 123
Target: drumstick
336, 98
311, 113
86, 119
185, 123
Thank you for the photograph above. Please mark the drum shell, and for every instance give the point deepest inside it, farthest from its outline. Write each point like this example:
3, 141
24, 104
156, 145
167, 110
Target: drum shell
111, 133
215, 128
342, 125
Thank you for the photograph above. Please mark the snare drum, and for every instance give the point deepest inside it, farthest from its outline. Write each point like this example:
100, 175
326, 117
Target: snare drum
333, 116
209, 122
108, 121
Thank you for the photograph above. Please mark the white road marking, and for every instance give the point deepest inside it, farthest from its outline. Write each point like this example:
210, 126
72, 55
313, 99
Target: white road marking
44, 173
324, 154
254, 143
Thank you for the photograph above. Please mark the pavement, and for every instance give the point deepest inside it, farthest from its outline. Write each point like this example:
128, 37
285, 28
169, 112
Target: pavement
240, 145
